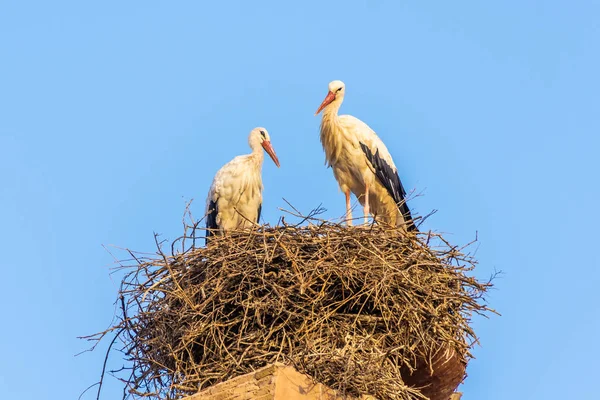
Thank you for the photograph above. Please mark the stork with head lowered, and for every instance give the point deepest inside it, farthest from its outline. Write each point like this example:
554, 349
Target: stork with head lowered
235, 196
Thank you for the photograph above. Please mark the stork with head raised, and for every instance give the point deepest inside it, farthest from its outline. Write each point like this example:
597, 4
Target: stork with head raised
235, 196
362, 164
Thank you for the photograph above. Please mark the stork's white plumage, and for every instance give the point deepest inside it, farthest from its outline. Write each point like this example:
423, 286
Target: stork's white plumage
235, 196
362, 164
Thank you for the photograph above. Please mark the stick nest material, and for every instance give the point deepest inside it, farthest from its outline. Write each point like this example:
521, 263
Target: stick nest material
354, 308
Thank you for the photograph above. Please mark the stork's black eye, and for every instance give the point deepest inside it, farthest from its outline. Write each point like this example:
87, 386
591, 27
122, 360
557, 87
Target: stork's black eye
338, 89
262, 133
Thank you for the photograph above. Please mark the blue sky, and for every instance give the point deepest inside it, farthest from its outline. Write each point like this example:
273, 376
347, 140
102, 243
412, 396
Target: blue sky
114, 114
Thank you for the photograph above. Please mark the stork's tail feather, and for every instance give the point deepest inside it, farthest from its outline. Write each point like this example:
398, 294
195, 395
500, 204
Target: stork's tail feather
410, 224
211, 221
391, 182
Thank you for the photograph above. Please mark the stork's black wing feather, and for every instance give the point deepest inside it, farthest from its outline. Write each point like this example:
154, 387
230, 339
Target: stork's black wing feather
259, 211
391, 182
211, 220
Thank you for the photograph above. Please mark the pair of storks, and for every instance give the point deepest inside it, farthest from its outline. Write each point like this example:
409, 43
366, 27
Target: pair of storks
360, 161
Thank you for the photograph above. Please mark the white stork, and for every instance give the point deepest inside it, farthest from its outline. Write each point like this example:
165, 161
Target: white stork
235, 196
362, 164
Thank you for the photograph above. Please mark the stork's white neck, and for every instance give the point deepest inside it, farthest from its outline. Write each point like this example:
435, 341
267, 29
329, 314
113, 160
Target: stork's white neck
330, 112
332, 133
258, 154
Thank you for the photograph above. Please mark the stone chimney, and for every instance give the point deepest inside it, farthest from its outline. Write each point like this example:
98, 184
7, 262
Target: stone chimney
276, 382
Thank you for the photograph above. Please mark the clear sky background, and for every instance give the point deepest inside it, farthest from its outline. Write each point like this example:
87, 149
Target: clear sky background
113, 114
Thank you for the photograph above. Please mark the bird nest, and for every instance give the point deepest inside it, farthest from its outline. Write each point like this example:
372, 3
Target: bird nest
364, 310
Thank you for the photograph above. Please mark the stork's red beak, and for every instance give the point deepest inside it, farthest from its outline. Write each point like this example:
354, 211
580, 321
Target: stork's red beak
269, 149
328, 99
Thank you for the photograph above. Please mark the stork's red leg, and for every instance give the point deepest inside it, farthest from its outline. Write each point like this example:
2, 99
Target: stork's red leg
348, 208
366, 209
